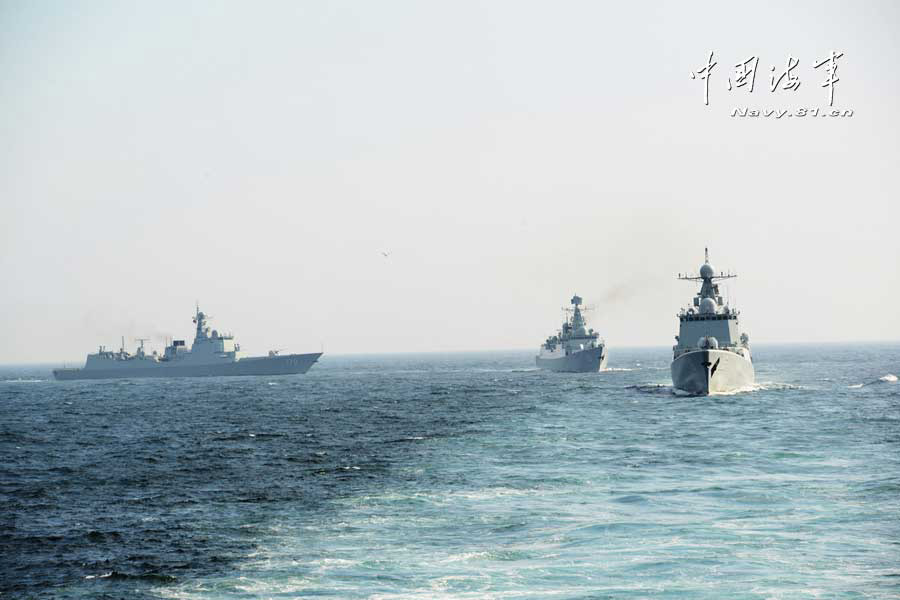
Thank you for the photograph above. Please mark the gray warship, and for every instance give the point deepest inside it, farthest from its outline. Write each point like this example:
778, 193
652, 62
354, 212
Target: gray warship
212, 354
573, 349
712, 354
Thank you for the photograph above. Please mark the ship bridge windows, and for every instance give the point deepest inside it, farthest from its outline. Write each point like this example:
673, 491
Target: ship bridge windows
698, 317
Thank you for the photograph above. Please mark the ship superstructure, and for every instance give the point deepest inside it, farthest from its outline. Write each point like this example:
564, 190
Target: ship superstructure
212, 353
712, 354
574, 348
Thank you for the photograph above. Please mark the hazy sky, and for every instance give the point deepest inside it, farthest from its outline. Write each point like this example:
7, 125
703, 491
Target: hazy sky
258, 157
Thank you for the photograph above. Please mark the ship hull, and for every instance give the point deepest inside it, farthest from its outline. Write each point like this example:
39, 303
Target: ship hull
288, 364
583, 361
705, 372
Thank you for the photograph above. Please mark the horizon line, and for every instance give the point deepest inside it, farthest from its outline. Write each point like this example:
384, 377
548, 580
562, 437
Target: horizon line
498, 350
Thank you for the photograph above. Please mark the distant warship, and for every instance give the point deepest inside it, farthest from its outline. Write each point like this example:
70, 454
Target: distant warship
712, 354
573, 349
212, 354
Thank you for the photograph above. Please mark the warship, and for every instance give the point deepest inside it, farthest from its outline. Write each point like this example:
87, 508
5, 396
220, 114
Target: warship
573, 349
712, 354
212, 354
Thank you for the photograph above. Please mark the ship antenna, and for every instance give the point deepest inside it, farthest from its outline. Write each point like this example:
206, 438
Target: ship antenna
706, 255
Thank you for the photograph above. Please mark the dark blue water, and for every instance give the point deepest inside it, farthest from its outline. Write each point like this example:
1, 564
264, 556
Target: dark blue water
457, 476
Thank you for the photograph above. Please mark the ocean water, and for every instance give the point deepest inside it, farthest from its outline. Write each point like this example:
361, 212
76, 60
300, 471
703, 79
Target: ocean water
457, 476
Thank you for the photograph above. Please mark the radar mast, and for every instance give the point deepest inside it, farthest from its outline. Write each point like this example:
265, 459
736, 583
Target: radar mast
709, 288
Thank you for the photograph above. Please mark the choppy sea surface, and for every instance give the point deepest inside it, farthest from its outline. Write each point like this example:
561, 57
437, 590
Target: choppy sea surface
457, 476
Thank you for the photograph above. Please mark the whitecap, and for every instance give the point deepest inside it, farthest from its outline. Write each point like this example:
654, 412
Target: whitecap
741, 390
889, 378
776, 386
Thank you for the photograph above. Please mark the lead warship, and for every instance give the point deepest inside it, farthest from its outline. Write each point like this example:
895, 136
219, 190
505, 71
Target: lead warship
712, 355
211, 354
573, 349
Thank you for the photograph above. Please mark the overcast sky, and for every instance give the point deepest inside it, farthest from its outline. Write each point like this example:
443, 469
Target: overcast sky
259, 157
